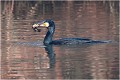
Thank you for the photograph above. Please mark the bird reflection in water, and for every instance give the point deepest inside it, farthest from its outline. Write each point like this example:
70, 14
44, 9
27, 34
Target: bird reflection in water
51, 55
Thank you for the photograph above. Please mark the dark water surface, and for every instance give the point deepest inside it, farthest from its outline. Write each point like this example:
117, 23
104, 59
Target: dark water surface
25, 57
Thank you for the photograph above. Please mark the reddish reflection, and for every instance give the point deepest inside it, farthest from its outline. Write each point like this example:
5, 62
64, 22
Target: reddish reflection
93, 19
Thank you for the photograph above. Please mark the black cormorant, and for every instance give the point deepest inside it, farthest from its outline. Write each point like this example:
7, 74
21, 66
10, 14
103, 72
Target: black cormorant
49, 24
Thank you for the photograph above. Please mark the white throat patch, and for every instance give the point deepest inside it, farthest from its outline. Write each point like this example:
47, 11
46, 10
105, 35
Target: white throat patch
46, 24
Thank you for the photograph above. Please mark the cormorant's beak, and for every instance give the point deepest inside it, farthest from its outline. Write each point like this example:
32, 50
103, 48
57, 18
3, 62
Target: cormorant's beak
45, 24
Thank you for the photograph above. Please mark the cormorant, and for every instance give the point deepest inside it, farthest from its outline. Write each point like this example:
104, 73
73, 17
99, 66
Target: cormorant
49, 24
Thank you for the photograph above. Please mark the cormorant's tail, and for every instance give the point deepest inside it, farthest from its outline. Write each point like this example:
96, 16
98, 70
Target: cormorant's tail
97, 41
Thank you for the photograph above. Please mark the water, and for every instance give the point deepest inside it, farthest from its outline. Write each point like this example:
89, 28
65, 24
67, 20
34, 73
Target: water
25, 57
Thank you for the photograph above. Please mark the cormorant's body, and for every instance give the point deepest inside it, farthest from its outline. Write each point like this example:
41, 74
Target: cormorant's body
74, 41
49, 24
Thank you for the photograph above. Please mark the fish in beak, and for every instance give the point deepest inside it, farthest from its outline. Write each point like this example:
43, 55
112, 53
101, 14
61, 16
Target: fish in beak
42, 24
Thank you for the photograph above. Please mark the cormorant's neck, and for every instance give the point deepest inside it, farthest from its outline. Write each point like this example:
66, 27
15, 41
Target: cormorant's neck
49, 35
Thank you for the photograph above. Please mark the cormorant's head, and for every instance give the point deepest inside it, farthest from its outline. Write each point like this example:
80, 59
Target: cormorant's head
45, 23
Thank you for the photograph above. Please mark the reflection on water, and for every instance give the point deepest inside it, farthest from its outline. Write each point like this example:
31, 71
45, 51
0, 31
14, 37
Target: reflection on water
25, 57
51, 55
